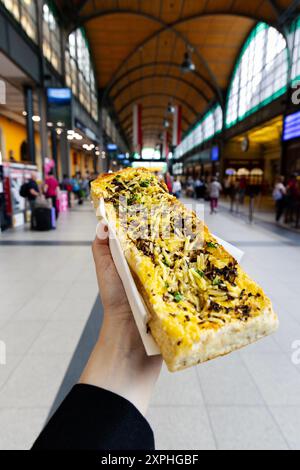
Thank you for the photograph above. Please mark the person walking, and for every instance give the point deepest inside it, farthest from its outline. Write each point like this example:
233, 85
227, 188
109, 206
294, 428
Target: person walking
242, 191
51, 190
291, 197
279, 196
189, 190
199, 188
177, 188
66, 185
77, 188
215, 189
169, 182
32, 191
233, 192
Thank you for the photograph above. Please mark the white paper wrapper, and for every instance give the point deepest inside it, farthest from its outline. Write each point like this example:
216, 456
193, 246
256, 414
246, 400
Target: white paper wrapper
137, 304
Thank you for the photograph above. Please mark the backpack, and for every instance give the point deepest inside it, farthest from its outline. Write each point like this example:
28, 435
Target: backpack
24, 190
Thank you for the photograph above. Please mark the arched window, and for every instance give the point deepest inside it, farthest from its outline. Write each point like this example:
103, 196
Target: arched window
25, 13
261, 74
51, 38
80, 74
209, 126
295, 47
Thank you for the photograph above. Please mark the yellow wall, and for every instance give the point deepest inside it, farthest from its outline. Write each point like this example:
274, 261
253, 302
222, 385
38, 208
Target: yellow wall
14, 134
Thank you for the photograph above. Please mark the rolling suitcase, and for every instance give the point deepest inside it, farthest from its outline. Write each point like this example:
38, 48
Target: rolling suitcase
42, 219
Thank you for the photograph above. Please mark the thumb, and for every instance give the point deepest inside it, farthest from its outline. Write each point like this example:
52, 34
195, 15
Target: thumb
102, 233
101, 250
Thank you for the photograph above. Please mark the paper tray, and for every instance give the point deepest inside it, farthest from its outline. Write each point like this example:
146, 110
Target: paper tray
137, 304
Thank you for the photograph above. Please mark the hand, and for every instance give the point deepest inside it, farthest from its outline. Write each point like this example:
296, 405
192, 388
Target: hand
111, 289
119, 362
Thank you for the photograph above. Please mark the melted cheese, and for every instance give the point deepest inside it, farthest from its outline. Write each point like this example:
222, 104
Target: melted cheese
191, 282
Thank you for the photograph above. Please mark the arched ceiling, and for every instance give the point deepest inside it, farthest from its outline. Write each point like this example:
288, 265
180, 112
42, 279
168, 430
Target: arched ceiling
138, 46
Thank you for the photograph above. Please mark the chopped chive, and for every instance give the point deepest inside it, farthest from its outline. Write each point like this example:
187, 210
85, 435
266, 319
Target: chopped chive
178, 297
201, 273
212, 245
217, 281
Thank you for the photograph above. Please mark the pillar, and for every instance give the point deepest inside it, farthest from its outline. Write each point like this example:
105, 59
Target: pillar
29, 123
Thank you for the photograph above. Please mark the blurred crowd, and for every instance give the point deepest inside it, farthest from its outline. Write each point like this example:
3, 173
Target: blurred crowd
46, 194
208, 189
286, 195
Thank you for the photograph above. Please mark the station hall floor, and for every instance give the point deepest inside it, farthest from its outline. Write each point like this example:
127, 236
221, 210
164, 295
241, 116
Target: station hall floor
49, 320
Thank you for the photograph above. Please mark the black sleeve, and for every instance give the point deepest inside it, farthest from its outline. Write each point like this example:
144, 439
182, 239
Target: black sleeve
91, 418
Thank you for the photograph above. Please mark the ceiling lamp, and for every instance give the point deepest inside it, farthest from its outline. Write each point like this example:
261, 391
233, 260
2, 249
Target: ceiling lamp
187, 64
171, 108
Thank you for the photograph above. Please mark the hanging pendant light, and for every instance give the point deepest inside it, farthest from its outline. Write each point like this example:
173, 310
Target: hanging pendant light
187, 64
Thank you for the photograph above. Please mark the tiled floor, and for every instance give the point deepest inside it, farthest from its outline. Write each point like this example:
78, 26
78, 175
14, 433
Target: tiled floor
248, 400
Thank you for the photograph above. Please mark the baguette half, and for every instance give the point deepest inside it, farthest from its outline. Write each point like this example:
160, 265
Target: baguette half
201, 303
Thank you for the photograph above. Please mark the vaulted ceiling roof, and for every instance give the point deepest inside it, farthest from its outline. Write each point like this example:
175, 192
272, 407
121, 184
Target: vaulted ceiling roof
138, 46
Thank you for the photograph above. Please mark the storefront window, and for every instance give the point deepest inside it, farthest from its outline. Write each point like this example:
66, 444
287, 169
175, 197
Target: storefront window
209, 126
295, 47
25, 13
261, 73
51, 38
79, 72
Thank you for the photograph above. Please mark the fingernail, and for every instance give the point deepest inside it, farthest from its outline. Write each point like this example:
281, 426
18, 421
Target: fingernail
102, 230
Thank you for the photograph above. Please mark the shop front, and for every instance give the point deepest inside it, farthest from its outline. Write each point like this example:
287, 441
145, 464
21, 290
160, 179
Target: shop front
13, 205
291, 144
204, 164
255, 155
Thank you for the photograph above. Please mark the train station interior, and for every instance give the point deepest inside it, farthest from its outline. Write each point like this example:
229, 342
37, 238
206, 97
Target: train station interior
199, 93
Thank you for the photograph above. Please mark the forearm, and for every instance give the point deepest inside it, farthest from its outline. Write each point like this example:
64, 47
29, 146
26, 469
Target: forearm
119, 363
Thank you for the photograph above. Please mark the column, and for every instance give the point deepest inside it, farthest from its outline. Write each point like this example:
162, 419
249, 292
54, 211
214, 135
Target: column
29, 123
54, 150
65, 155
43, 127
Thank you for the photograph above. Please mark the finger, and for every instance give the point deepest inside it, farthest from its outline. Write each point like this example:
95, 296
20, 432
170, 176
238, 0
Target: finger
102, 234
101, 250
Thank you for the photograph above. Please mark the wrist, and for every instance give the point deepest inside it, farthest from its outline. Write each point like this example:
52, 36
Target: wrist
119, 331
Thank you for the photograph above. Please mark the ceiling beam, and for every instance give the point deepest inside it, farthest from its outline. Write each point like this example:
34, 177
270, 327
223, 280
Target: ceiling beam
164, 27
276, 8
100, 13
148, 95
170, 76
288, 13
160, 64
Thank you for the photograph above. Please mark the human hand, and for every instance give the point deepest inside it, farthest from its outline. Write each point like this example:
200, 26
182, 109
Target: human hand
119, 362
111, 289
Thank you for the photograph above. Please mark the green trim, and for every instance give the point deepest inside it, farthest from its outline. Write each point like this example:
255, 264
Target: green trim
83, 32
256, 30
53, 8
295, 25
211, 111
256, 108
